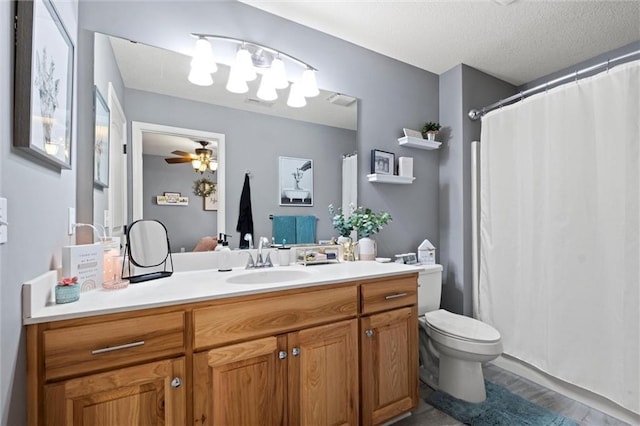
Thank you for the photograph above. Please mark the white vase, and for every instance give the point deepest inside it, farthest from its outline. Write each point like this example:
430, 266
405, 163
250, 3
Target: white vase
367, 248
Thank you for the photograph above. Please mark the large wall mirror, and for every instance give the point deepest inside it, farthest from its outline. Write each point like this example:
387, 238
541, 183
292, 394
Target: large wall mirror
160, 113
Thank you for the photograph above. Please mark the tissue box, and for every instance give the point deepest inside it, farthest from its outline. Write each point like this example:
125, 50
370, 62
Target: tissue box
85, 262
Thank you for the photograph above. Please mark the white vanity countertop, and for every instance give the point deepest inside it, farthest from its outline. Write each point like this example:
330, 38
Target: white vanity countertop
192, 286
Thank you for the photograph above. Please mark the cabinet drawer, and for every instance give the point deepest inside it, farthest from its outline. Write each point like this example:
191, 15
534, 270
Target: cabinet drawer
80, 349
390, 293
229, 322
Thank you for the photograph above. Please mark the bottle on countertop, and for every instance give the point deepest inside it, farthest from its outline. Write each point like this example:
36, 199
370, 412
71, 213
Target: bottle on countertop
224, 264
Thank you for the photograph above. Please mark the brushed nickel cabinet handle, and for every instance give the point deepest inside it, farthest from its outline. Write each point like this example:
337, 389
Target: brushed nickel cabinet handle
282, 354
395, 296
117, 348
295, 351
176, 382
368, 333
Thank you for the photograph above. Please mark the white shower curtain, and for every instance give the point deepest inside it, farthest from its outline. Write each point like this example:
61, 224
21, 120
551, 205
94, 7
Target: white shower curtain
560, 232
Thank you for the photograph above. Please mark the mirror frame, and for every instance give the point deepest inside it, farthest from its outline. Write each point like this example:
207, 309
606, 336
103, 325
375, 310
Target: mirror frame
137, 129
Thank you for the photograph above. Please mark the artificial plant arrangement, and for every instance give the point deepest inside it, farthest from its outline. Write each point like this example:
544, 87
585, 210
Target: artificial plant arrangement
362, 219
431, 128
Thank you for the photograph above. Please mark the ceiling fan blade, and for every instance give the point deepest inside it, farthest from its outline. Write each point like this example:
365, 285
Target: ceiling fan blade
183, 154
177, 160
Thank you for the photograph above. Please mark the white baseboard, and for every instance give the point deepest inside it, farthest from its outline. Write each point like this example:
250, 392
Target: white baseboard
567, 389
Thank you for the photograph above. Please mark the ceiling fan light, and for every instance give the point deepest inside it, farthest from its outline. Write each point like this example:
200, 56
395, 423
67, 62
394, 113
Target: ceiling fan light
199, 77
278, 74
309, 84
236, 84
196, 164
203, 56
244, 65
266, 91
213, 166
296, 98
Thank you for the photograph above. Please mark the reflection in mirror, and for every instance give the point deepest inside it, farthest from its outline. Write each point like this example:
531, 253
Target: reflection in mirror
154, 84
148, 248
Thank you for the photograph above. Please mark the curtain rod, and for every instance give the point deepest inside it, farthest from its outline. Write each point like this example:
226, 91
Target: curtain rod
475, 114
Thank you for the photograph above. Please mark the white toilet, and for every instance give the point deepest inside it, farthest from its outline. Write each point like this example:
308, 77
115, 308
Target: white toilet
452, 347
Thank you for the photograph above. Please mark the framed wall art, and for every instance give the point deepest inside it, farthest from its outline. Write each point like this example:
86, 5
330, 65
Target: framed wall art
43, 83
382, 162
101, 141
295, 181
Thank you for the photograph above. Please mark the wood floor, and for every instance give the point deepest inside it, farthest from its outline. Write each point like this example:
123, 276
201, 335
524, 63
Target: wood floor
425, 414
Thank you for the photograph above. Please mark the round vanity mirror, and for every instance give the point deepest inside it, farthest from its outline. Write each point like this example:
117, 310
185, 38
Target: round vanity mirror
148, 243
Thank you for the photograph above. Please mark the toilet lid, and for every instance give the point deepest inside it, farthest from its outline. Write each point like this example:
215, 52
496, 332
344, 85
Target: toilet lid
460, 326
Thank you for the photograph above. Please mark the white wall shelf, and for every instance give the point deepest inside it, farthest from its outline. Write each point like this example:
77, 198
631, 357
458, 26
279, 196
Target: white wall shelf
412, 142
380, 178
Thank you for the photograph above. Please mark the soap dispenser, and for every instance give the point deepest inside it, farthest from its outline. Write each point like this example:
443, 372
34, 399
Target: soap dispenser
224, 264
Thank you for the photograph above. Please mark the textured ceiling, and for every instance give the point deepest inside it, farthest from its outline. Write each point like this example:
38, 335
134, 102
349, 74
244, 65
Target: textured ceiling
518, 43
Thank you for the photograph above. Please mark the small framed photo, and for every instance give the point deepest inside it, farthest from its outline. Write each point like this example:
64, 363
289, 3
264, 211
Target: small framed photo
101, 146
172, 197
382, 162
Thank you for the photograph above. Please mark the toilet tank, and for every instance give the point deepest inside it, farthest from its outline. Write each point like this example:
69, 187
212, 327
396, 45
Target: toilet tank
429, 289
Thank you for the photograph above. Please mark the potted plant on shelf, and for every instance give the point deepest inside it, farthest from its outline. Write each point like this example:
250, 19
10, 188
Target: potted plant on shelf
67, 290
430, 130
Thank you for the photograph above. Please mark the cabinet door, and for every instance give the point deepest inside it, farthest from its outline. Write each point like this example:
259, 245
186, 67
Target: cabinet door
241, 384
389, 366
147, 394
323, 375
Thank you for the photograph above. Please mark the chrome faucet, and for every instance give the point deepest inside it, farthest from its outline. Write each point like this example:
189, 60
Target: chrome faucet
260, 263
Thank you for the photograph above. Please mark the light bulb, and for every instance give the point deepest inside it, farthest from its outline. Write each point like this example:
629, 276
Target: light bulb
199, 77
309, 84
278, 74
196, 164
213, 165
245, 65
266, 91
203, 57
296, 98
236, 84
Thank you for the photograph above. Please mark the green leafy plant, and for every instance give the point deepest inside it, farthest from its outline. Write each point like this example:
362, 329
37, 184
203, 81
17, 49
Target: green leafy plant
431, 126
362, 219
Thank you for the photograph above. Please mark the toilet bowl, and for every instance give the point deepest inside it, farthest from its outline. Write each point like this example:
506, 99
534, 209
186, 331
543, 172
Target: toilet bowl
452, 347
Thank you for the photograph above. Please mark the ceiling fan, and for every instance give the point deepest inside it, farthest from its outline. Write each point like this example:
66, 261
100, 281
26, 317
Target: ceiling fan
201, 161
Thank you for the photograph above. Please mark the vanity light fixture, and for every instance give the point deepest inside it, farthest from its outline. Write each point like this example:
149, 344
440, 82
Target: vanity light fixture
250, 59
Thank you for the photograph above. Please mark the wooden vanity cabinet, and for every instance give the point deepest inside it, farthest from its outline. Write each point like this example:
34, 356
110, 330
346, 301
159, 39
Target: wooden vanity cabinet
299, 367
291, 357
308, 377
146, 394
389, 349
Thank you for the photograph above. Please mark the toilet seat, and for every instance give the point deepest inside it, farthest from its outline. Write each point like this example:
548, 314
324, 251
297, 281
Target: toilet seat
461, 327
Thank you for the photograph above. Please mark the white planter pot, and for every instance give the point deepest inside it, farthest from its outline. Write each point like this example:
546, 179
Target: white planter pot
367, 248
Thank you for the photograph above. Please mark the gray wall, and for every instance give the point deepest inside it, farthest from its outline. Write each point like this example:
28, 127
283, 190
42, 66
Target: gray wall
253, 142
38, 197
392, 95
461, 89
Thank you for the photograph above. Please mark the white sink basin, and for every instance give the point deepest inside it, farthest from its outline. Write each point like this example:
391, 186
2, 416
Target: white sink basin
268, 276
